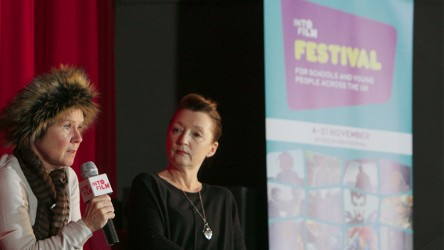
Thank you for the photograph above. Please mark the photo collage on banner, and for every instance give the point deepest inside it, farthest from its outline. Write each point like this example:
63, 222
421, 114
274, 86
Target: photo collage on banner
339, 124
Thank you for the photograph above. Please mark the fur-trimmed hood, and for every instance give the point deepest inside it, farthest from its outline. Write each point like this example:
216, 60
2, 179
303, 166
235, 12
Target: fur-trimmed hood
45, 99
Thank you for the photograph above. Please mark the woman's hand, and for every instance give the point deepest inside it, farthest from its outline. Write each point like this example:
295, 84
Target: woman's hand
98, 211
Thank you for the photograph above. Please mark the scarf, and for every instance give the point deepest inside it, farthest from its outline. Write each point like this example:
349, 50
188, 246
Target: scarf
50, 190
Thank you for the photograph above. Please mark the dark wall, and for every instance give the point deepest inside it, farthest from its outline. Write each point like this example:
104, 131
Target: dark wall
167, 48
428, 127
145, 50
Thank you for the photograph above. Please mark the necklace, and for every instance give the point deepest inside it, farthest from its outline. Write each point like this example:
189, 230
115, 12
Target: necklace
208, 233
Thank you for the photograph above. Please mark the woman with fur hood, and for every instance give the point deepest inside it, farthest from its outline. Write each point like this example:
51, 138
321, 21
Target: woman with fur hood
39, 191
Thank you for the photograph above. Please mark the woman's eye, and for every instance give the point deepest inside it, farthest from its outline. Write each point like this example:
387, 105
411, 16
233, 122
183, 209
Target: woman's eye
175, 130
67, 126
80, 128
197, 135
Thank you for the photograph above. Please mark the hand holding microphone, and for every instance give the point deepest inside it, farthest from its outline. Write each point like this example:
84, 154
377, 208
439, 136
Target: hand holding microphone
99, 209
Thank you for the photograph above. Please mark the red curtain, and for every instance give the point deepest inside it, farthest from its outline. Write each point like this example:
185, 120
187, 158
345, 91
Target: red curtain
36, 35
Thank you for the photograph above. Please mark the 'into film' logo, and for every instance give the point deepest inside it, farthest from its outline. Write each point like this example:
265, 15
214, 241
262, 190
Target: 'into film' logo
305, 28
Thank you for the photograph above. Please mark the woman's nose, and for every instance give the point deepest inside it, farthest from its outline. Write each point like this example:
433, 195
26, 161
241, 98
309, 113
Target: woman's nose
77, 137
182, 139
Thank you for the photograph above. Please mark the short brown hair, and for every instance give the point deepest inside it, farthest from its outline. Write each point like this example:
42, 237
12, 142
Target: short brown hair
196, 102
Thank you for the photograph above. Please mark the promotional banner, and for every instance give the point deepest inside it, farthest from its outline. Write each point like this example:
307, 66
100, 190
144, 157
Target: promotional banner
339, 123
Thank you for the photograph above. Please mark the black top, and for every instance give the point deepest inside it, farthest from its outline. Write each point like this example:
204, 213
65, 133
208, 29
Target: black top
161, 217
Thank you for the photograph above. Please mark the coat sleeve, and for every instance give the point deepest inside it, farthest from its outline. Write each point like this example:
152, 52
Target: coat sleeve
15, 222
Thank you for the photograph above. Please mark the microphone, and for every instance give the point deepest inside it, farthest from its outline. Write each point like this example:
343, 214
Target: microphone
94, 185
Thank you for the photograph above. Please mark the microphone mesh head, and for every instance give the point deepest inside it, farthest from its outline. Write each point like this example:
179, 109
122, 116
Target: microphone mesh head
89, 169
